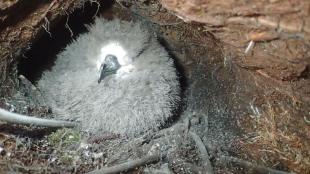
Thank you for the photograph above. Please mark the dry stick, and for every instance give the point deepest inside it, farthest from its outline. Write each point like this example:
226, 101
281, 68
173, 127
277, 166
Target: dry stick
306, 120
130, 164
28, 120
98, 7
203, 152
248, 165
249, 47
120, 4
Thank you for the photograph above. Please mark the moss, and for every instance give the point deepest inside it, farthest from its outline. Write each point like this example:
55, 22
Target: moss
64, 141
66, 159
64, 138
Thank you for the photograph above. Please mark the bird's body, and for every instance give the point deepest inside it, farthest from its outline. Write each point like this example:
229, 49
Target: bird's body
140, 96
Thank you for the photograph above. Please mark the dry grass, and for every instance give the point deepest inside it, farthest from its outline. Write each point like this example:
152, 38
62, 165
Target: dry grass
280, 141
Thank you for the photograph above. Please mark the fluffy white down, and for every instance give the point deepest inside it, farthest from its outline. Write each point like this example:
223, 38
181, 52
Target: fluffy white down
127, 103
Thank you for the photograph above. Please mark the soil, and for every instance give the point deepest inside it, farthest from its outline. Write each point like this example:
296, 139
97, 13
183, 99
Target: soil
254, 106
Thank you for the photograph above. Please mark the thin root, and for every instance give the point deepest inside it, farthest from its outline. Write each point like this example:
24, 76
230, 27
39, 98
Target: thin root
130, 164
250, 166
203, 152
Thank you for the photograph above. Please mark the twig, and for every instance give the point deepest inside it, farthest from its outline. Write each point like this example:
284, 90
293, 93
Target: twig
206, 123
187, 125
249, 47
28, 120
203, 152
30, 169
130, 164
46, 26
251, 167
98, 7
306, 120
67, 25
167, 24
61, 140
120, 4
43, 16
49, 8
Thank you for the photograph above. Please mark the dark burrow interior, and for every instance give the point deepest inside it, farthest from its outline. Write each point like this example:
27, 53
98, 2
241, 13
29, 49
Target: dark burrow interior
209, 80
43, 52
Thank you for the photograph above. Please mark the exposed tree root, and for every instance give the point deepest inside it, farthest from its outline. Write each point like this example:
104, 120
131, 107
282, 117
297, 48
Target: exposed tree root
203, 153
130, 164
252, 168
28, 120
166, 137
170, 134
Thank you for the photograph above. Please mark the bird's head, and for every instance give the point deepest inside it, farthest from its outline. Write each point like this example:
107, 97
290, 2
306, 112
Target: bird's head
113, 59
108, 67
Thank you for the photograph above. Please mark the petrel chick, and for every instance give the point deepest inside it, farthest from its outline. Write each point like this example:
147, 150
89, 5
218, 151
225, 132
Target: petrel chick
114, 79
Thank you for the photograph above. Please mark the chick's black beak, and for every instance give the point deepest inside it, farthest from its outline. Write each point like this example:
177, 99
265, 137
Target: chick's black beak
102, 73
109, 67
